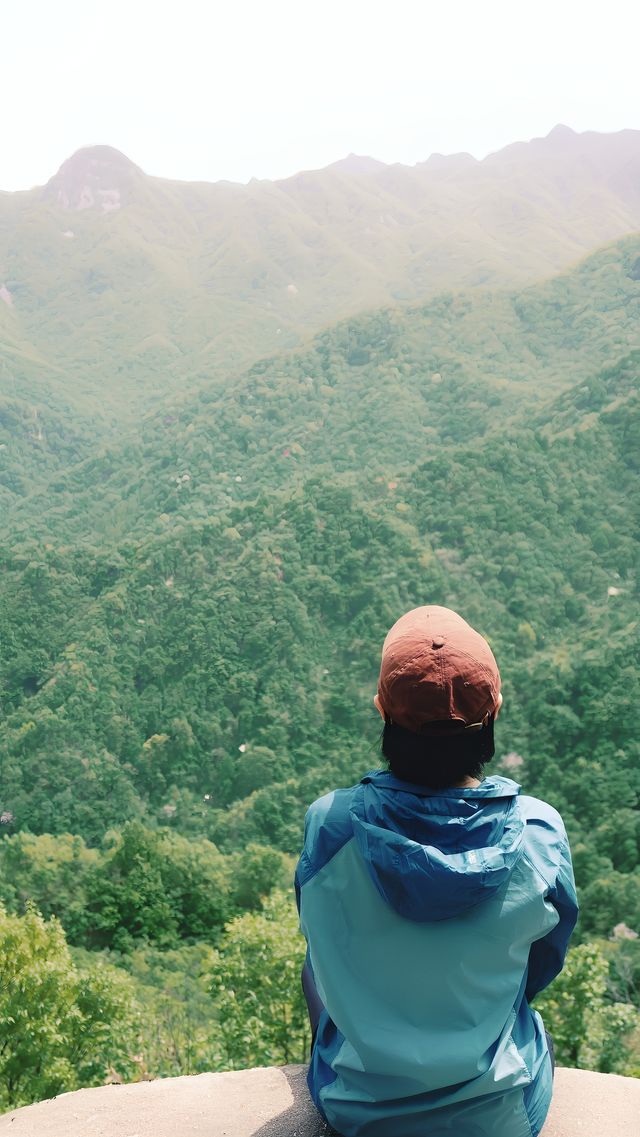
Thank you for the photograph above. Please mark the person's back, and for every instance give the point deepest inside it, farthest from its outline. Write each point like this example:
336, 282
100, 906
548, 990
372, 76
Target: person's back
433, 916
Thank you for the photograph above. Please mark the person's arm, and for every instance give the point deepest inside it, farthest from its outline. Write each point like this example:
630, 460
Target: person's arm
547, 955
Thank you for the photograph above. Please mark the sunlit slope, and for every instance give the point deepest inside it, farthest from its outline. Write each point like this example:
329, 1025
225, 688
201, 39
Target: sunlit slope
40, 431
370, 398
539, 535
544, 521
134, 677
133, 287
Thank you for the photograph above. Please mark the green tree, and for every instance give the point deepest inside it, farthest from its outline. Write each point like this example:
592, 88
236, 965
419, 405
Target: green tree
60, 1027
257, 871
588, 1031
46, 870
126, 895
178, 1029
256, 983
160, 887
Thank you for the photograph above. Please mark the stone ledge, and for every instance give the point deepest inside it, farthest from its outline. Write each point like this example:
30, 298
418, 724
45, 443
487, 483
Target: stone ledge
274, 1102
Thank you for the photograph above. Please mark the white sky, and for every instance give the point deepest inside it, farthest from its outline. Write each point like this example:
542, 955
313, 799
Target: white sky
199, 89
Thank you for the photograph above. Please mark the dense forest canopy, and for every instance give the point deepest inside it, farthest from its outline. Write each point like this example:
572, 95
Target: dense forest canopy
194, 591
467, 365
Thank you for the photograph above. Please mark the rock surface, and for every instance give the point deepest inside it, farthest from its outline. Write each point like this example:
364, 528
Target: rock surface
274, 1102
96, 177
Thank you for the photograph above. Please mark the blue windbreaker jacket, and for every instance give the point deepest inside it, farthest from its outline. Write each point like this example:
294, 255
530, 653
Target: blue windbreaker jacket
432, 919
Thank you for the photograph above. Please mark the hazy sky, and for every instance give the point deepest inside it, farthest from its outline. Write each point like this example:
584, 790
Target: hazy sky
199, 89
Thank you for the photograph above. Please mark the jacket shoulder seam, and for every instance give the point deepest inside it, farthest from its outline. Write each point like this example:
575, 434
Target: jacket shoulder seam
537, 869
311, 869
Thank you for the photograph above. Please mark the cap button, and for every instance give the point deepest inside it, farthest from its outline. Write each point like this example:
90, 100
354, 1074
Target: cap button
437, 641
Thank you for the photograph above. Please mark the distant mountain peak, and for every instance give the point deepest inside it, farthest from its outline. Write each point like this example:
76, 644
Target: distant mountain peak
452, 162
357, 164
95, 177
562, 132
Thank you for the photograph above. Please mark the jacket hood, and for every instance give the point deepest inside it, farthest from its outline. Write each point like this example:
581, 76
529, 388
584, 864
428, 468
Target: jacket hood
433, 854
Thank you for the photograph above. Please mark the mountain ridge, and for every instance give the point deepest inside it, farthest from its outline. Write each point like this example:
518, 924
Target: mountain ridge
560, 135
146, 282
218, 498
465, 367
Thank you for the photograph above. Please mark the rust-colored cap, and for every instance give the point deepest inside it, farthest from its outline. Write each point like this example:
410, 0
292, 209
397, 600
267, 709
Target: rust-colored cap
437, 670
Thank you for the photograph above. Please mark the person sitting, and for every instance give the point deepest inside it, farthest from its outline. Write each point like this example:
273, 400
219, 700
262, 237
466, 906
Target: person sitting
436, 903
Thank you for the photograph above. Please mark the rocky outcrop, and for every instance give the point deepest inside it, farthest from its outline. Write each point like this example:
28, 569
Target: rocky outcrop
96, 177
274, 1103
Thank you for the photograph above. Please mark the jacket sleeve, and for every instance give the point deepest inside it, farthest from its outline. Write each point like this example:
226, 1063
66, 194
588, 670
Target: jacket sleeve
547, 955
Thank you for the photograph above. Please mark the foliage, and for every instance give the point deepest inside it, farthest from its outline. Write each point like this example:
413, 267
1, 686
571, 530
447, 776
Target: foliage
256, 982
50, 872
186, 282
192, 604
177, 1026
458, 369
588, 1031
62, 1027
146, 885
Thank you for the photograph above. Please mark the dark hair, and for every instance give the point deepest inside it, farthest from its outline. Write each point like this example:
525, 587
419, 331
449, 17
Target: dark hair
437, 760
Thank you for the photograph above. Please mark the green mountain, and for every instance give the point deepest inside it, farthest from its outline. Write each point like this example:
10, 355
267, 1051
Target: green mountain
205, 543
125, 287
135, 669
371, 398
213, 679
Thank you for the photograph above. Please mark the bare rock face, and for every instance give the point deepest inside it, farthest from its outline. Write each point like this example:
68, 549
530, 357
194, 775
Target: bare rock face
96, 177
275, 1103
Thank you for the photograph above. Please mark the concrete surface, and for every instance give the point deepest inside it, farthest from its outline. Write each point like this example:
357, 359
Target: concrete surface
274, 1102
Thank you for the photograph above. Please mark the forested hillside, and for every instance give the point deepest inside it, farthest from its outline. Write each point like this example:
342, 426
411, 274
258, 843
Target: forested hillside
458, 368
192, 604
117, 288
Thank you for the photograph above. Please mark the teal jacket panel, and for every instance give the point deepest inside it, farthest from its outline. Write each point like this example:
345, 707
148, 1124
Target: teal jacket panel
432, 919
